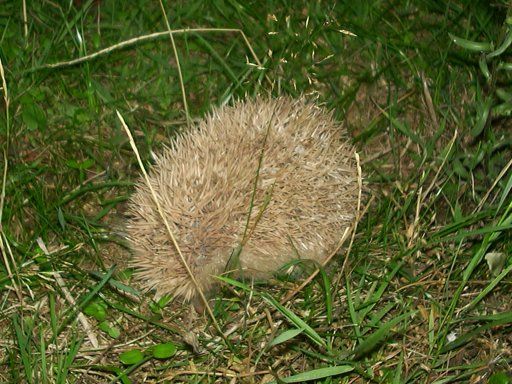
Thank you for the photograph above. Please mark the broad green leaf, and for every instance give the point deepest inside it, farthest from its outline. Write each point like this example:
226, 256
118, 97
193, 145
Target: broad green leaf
164, 351
500, 378
96, 310
88, 163
33, 117
113, 332
131, 357
101, 91
104, 326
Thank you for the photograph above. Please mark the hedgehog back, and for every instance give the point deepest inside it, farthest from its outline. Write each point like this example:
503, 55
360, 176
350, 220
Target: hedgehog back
305, 196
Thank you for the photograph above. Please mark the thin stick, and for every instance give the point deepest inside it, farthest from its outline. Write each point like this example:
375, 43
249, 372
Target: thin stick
5, 246
351, 229
167, 226
232, 375
291, 294
312, 276
144, 38
358, 210
428, 101
6, 144
411, 230
484, 199
25, 22
433, 182
178, 65
70, 299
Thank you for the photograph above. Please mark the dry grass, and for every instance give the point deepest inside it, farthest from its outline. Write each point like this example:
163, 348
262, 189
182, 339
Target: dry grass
412, 301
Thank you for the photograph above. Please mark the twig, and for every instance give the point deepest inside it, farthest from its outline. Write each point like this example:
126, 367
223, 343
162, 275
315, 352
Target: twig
178, 65
4, 245
428, 100
25, 22
70, 299
144, 38
412, 234
484, 199
291, 294
358, 210
168, 227
233, 375
433, 182
351, 229
6, 144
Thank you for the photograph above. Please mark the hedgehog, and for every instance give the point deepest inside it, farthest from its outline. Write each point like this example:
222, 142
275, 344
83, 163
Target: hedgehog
247, 190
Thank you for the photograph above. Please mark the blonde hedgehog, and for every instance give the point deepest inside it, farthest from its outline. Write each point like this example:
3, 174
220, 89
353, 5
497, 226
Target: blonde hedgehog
284, 163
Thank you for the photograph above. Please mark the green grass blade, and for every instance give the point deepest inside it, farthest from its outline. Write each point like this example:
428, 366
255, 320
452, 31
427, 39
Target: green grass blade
505, 193
470, 45
296, 320
42, 351
377, 337
489, 288
23, 341
354, 318
285, 336
317, 374
501, 319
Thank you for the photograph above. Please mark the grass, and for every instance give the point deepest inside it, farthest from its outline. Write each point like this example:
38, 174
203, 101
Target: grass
425, 97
